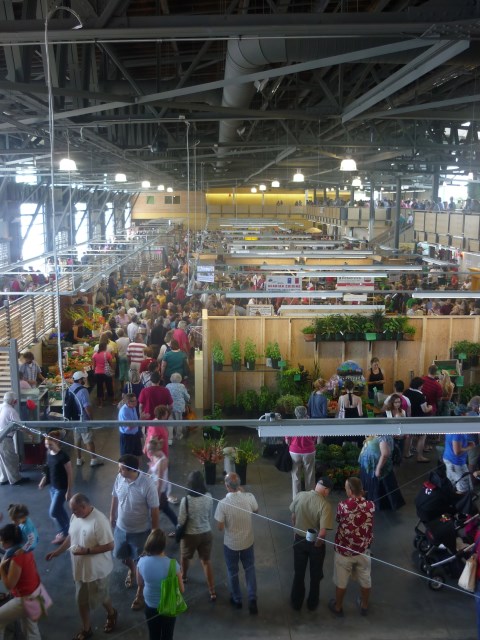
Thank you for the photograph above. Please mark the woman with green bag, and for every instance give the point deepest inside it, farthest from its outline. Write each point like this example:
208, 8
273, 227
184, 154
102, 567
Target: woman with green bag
153, 571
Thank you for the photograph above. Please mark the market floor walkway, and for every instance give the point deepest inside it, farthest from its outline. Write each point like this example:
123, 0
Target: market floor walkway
401, 603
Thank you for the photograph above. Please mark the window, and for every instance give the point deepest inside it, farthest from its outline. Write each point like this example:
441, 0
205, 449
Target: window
172, 199
150, 200
33, 230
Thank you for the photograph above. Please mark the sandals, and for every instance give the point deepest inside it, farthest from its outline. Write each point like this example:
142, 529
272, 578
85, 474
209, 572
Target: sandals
129, 580
213, 597
83, 635
111, 622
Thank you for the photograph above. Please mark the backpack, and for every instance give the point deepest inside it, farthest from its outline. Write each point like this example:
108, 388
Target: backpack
72, 406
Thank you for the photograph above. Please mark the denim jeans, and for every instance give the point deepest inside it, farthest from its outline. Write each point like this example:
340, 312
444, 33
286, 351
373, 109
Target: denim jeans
57, 510
303, 553
159, 627
247, 558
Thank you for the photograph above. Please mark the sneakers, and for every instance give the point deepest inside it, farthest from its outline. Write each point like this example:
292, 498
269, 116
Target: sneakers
79, 462
252, 607
173, 499
95, 462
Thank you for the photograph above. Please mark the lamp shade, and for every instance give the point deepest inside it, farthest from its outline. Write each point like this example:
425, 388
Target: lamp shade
275, 184
253, 190
262, 187
299, 177
169, 189
161, 187
120, 177
66, 164
146, 184
348, 164
356, 182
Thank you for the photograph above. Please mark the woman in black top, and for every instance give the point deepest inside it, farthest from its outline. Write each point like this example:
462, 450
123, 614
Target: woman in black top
58, 474
375, 378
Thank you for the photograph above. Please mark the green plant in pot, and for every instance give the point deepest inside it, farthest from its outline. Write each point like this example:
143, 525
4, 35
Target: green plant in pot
350, 326
272, 351
218, 356
286, 404
236, 355
474, 353
409, 332
245, 453
309, 332
338, 325
247, 401
391, 328
250, 353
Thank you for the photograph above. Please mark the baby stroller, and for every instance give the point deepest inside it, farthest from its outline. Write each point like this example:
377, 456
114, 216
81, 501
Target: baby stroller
444, 533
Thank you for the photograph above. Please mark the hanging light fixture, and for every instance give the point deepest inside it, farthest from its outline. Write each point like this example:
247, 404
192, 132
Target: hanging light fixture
120, 177
161, 187
253, 190
262, 187
348, 163
146, 184
299, 177
356, 182
67, 164
275, 184
169, 189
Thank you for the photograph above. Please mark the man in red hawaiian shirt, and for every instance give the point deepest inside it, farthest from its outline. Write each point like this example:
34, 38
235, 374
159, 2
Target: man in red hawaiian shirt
352, 543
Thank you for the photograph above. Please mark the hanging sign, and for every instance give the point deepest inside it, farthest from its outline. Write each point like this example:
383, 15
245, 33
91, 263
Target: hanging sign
283, 283
206, 273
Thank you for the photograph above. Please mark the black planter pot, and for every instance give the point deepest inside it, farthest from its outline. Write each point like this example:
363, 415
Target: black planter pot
210, 472
218, 366
474, 360
241, 469
250, 365
348, 337
236, 365
275, 364
338, 336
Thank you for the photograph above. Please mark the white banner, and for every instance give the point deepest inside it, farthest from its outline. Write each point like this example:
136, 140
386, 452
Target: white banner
206, 273
358, 284
283, 283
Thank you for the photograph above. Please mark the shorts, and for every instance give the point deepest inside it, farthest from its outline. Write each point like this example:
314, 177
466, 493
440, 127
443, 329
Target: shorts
83, 434
131, 443
454, 473
128, 545
473, 456
92, 594
201, 542
356, 567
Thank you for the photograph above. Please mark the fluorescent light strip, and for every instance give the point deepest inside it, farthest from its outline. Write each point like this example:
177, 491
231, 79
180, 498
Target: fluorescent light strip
446, 295
368, 268
338, 274
303, 254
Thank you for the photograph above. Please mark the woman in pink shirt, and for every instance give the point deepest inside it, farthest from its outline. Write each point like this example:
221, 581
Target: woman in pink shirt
102, 363
302, 452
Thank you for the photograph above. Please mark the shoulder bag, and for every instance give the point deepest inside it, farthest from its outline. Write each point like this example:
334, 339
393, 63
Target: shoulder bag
181, 529
108, 369
468, 577
284, 459
37, 603
171, 600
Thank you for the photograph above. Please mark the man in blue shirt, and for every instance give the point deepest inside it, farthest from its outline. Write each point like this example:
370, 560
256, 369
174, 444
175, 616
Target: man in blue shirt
455, 457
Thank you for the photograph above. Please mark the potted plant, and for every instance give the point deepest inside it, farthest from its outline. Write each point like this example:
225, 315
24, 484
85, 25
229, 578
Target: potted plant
214, 432
286, 404
272, 352
338, 326
245, 453
247, 401
391, 328
409, 332
250, 353
236, 355
474, 353
218, 356
325, 328
209, 453
370, 333
309, 333
350, 327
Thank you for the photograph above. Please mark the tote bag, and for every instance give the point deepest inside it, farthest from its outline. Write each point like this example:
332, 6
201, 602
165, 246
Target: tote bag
284, 459
36, 604
171, 600
468, 577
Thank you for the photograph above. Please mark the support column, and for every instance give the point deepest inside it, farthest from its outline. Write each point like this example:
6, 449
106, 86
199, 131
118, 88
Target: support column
371, 217
352, 196
435, 185
396, 217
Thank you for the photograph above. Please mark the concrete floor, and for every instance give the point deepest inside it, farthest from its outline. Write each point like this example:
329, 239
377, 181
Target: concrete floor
401, 604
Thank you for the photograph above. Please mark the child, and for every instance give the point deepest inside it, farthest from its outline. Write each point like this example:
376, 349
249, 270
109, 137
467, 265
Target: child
162, 433
19, 515
180, 397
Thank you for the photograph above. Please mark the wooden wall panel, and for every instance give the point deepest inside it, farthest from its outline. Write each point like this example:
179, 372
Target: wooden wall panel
430, 222
456, 224
419, 221
471, 229
433, 339
442, 223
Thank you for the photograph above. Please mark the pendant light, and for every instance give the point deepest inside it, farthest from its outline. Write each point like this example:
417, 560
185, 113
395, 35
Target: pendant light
299, 177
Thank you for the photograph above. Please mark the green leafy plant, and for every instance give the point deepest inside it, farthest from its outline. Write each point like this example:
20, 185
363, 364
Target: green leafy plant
286, 404
246, 451
409, 330
310, 329
248, 401
468, 392
378, 320
217, 353
235, 351
461, 346
266, 400
272, 350
250, 350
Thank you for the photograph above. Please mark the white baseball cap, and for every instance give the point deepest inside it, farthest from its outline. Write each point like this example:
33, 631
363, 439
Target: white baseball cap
78, 375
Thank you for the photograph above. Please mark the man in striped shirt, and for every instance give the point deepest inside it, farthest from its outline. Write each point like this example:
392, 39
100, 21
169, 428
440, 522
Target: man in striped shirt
135, 352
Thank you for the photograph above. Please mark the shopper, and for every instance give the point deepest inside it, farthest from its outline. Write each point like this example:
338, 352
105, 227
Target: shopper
302, 452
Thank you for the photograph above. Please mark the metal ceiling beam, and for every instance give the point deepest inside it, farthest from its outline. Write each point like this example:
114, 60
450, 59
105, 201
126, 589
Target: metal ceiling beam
421, 65
353, 56
414, 108
204, 27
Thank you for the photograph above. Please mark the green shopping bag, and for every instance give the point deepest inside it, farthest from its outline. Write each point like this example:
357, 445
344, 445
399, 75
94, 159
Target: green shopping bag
171, 600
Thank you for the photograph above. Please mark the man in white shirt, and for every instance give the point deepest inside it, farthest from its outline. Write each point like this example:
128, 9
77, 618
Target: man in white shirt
9, 460
90, 541
234, 517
